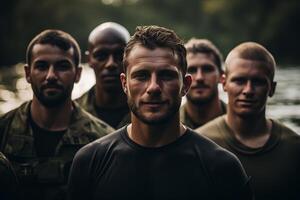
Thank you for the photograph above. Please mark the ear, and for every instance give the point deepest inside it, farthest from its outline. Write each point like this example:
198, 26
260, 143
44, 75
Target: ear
187, 81
273, 88
78, 74
88, 58
27, 73
223, 82
124, 82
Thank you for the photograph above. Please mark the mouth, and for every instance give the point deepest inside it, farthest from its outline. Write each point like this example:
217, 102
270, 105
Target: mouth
111, 77
246, 102
154, 104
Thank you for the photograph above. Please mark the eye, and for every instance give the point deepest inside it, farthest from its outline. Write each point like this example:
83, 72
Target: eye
192, 70
238, 80
63, 66
259, 82
167, 75
118, 55
41, 65
140, 75
208, 68
101, 55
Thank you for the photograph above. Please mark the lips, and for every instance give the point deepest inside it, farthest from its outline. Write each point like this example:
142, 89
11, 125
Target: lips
246, 102
110, 77
154, 104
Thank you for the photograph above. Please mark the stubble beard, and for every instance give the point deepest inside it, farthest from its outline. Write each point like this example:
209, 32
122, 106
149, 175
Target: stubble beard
172, 111
201, 101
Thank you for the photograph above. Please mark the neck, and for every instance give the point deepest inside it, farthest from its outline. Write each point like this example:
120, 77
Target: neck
252, 131
201, 114
110, 99
54, 118
155, 135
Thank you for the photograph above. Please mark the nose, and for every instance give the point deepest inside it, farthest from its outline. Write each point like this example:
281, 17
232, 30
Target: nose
153, 86
199, 75
248, 89
51, 74
111, 62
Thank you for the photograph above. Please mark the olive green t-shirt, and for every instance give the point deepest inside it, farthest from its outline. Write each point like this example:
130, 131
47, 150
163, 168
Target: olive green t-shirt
274, 168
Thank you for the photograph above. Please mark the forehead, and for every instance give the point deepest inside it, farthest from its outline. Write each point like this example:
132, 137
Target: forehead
47, 52
159, 58
107, 36
245, 67
200, 58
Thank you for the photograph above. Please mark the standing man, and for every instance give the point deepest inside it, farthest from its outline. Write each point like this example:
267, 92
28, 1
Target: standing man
204, 63
41, 137
268, 150
156, 157
106, 100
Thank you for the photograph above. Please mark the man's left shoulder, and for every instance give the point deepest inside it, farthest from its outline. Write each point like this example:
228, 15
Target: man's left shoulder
222, 166
211, 150
286, 133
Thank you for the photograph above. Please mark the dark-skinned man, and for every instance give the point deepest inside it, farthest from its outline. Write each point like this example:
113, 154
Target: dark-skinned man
106, 100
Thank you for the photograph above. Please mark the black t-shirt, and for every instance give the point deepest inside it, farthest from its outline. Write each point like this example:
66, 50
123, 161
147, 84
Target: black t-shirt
45, 141
191, 167
112, 116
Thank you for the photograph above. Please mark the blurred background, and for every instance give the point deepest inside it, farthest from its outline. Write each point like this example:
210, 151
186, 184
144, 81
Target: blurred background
273, 23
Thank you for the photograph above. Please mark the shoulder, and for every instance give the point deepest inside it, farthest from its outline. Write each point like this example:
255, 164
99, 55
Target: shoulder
212, 129
224, 168
85, 99
221, 164
100, 146
285, 132
212, 152
21, 113
83, 120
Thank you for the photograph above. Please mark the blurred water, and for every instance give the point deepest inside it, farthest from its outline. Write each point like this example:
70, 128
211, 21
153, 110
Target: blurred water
284, 105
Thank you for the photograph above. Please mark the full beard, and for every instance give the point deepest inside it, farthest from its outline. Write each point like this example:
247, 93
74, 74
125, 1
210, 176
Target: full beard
52, 101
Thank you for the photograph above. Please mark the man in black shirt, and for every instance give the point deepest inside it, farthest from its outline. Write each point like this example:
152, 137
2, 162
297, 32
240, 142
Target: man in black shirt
156, 157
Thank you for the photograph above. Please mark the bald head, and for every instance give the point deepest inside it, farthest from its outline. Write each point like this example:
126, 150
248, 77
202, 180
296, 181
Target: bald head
254, 52
109, 33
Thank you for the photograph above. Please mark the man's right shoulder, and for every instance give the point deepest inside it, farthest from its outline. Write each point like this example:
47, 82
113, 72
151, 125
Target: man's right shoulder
213, 128
101, 145
21, 111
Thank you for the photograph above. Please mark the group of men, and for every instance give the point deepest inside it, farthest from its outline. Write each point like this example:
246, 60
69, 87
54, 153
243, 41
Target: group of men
129, 136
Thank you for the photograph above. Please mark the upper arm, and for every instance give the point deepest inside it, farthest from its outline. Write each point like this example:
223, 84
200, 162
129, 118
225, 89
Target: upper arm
230, 177
79, 178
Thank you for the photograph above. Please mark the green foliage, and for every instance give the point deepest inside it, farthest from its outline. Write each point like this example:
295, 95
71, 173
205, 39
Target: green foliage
227, 23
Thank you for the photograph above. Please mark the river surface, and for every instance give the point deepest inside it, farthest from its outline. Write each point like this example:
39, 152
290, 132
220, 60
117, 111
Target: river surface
284, 105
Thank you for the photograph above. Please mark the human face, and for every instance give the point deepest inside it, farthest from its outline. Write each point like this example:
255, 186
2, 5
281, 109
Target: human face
52, 74
248, 86
154, 84
106, 60
206, 77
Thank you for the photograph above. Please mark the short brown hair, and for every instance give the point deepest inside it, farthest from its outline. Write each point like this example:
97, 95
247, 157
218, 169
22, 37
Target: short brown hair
252, 51
205, 46
154, 36
57, 38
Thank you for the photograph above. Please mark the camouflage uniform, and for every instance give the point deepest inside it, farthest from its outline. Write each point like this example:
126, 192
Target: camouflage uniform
45, 178
87, 101
186, 119
8, 180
